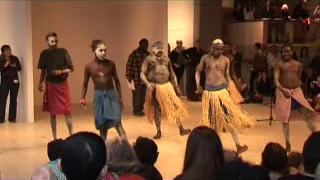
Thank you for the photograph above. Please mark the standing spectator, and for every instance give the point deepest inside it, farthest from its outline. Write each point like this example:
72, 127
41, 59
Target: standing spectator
315, 64
305, 61
268, 11
237, 60
9, 67
175, 57
249, 11
316, 12
133, 70
238, 11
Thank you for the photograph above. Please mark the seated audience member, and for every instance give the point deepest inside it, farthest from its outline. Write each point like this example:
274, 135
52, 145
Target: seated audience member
147, 154
240, 170
121, 160
295, 163
83, 155
314, 93
204, 155
275, 160
52, 169
311, 159
244, 90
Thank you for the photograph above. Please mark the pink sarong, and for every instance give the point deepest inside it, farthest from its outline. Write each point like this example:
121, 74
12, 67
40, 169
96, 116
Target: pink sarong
283, 104
56, 98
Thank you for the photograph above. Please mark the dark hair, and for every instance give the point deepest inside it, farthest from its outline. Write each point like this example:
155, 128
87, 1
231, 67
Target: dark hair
54, 149
310, 153
144, 40
258, 45
204, 154
287, 45
51, 34
5, 47
240, 170
83, 155
274, 158
95, 43
304, 48
146, 150
294, 159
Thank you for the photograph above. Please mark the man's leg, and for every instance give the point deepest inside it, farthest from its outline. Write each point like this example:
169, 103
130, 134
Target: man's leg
120, 130
69, 123
285, 127
53, 122
183, 131
14, 89
143, 90
136, 100
240, 149
4, 91
103, 132
309, 118
157, 117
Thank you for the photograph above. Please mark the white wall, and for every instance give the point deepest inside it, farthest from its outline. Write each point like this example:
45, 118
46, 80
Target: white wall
16, 31
181, 22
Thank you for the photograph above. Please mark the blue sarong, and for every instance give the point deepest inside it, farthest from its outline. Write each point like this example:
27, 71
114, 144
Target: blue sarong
107, 110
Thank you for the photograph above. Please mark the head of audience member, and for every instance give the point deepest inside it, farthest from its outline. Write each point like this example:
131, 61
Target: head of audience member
217, 48
268, 4
258, 46
274, 158
143, 45
204, 154
54, 149
227, 47
146, 151
99, 48
83, 155
274, 49
179, 44
295, 162
311, 153
121, 156
6, 50
304, 4
197, 44
52, 40
240, 170
304, 51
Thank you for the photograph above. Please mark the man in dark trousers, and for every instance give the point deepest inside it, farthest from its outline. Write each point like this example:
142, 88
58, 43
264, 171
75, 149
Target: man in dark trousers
133, 70
9, 67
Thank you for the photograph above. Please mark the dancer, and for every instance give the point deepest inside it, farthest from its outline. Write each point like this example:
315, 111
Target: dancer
289, 94
218, 109
107, 102
55, 64
162, 91
234, 85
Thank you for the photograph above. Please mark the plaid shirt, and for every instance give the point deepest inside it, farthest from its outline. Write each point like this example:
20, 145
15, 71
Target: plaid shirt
133, 67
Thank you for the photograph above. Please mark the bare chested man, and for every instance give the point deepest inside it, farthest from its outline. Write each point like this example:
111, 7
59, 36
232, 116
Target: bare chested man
289, 95
162, 90
107, 102
219, 110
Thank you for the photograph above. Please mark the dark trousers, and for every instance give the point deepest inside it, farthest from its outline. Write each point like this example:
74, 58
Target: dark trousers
254, 75
12, 87
179, 73
139, 97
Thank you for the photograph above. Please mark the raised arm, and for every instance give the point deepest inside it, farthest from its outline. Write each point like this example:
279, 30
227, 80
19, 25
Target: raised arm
144, 72
199, 70
117, 81
172, 76
86, 79
129, 68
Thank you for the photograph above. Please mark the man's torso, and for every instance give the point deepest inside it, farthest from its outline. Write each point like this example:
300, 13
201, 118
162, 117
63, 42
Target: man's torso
158, 69
215, 70
289, 74
101, 74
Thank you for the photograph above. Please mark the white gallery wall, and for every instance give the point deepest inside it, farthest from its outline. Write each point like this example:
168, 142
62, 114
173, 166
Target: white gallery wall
15, 20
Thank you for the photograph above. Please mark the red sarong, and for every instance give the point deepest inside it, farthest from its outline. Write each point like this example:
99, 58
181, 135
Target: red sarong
56, 98
283, 104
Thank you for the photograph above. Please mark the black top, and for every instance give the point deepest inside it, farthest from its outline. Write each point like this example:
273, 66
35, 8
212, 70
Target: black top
296, 177
148, 172
55, 59
9, 72
193, 56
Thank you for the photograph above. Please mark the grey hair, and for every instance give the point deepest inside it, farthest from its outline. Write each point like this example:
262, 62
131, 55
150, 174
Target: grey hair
120, 155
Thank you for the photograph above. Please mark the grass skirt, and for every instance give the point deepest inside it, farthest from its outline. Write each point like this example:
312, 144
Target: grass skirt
225, 112
235, 95
170, 104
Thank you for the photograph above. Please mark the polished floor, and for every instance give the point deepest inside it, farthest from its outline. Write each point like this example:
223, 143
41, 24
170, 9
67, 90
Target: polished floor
23, 146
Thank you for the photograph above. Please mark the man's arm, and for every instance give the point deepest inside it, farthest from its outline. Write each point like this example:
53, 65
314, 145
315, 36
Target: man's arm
69, 64
277, 76
17, 64
43, 67
199, 70
172, 76
300, 71
144, 72
86, 79
129, 68
117, 81
227, 71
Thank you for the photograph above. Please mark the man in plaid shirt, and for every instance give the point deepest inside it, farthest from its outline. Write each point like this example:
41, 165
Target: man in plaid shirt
133, 70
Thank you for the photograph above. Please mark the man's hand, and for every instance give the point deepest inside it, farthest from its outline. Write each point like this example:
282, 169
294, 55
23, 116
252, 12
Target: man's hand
286, 92
56, 72
40, 87
13, 64
83, 103
129, 79
199, 90
176, 65
178, 91
150, 87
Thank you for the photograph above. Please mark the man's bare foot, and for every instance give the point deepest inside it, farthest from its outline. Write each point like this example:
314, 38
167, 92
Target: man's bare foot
241, 149
158, 135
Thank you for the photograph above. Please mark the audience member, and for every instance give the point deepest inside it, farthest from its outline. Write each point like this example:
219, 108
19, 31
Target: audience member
83, 155
175, 58
147, 154
311, 158
315, 64
268, 11
204, 155
238, 11
121, 160
295, 163
275, 160
249, 11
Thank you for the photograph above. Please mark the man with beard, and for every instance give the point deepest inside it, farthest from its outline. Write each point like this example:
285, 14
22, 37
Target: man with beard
108, 103
162, 91
287, 77
55, 64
